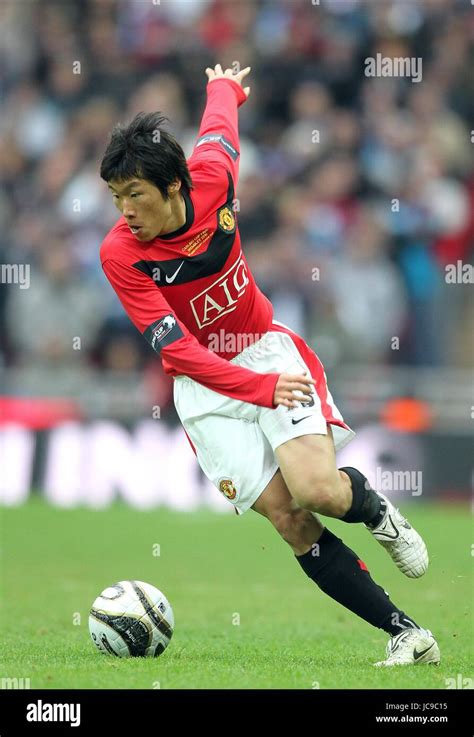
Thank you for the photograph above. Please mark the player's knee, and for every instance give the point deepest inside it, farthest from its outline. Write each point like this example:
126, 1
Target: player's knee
319, 492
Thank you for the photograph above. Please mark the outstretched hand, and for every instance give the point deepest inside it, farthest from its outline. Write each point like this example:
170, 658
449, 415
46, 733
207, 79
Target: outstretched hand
287, 384
217, 73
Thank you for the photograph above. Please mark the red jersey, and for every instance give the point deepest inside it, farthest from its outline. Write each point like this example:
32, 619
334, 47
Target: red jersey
185, 289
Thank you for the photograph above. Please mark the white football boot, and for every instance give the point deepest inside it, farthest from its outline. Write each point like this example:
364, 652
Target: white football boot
411, 647
401, 541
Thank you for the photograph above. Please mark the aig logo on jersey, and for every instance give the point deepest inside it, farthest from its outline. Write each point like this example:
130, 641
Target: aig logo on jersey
220, 297
226, 219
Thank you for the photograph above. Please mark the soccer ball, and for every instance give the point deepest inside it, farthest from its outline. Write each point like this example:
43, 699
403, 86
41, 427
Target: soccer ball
131, 619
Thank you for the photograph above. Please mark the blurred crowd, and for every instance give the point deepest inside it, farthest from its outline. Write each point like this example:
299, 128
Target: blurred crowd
355, 192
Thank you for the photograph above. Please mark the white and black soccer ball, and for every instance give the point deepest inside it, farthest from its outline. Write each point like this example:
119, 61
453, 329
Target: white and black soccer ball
131, 619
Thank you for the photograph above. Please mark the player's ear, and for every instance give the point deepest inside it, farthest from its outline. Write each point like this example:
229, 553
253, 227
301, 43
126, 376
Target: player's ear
174, 187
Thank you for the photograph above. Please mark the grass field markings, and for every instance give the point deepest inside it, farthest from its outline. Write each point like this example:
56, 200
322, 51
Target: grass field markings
321, 629
156, 548
76, 619
236, 619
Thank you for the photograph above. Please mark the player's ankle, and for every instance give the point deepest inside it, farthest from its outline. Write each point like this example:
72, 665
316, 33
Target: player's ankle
366, 504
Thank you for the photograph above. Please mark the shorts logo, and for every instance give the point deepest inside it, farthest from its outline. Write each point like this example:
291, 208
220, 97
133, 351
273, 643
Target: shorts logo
226, 219
221, 297
227, 488
164, 327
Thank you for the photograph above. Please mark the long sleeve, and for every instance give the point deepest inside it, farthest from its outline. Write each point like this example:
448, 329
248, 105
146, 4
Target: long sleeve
218, 139
180, 351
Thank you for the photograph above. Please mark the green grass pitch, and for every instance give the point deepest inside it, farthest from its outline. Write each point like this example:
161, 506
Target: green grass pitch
246, 616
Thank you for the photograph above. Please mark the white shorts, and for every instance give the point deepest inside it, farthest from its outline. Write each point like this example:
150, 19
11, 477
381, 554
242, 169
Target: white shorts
234, 441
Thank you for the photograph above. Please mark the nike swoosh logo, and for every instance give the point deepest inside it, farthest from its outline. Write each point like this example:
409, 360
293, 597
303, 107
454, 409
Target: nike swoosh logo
384, 532
171, 279
295, 422
417, 655
396, 642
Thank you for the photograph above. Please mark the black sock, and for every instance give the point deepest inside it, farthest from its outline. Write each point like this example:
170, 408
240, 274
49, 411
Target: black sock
338, 572
366, 505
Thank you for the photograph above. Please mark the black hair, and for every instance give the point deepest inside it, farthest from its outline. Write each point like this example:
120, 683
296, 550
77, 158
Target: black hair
143, 149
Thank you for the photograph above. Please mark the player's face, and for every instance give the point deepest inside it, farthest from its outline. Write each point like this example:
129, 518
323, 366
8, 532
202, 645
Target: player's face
143, 206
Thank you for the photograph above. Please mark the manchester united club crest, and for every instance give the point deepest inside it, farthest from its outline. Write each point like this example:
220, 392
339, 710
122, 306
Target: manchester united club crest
227, 488
226, 219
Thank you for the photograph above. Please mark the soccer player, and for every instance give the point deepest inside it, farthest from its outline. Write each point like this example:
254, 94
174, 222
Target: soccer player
251, 394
